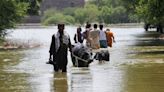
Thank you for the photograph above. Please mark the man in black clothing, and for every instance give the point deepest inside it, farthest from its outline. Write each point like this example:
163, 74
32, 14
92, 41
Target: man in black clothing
78, 36
59, 49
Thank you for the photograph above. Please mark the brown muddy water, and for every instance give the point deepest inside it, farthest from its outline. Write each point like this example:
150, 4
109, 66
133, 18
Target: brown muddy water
136, 65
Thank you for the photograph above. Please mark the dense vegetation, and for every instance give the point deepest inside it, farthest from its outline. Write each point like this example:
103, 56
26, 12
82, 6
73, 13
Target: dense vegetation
148, 11
11, 12
106, 11
33, 6
110, 11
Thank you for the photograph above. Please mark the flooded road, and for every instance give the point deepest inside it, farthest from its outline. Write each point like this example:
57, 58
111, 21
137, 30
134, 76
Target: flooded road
136, 65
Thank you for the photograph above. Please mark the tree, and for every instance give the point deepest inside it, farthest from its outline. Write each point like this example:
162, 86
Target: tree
54, 19
34, 6
53, 16
116, 11
11, 12
151, 11
105, 14
69, 19
69, 11
80, 15
91, 12
119, 15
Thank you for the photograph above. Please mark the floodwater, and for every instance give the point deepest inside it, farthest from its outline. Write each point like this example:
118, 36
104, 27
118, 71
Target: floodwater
136, 65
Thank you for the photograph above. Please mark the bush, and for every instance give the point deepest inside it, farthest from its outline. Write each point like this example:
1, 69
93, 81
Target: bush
80, 15
54, 19
48, 13
69, 11
69, 19
91, 12
119, 15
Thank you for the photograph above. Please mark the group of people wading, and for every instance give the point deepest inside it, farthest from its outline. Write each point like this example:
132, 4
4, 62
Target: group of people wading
60, 43
95, 38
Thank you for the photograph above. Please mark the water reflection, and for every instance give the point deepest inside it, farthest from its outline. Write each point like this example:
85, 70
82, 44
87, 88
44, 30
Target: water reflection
81, 80
60, 83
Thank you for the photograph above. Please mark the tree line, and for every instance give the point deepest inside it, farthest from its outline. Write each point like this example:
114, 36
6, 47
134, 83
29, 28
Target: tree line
90, 12
110, 11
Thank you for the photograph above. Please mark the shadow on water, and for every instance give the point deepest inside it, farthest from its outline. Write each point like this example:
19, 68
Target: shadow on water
77, 80
149, 52
80, 80
60, 83
149, 39
148, 47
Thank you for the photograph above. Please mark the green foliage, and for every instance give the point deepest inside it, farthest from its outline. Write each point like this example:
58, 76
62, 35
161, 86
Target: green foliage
152, 11
53, 17
91, 12
133, 17
69, 19
69, 11
11, 12
80, 15
114, 11
108, 11
149, 11
34, 6
56, 18
117, 11
105, 14
71, 15
49, 13
119, 15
